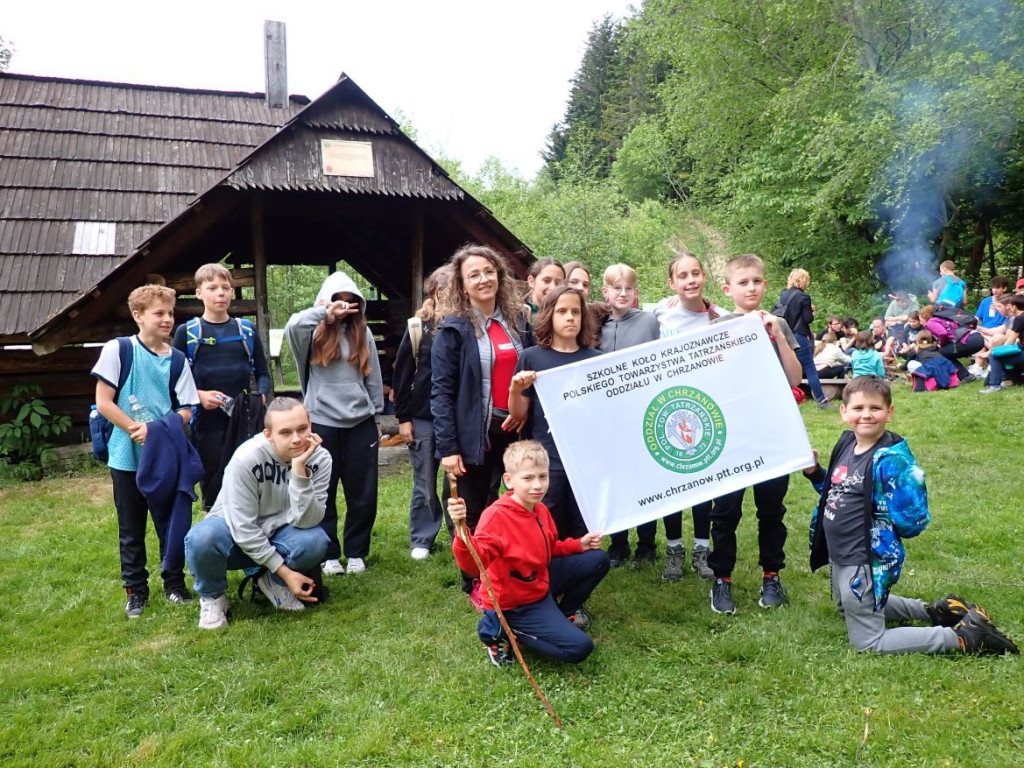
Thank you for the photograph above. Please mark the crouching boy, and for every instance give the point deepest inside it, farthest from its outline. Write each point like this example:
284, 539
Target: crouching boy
267, 515
872, 494
529, 571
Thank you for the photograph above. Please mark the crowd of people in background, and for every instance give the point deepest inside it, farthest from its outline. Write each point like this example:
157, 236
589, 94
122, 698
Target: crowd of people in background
461, 382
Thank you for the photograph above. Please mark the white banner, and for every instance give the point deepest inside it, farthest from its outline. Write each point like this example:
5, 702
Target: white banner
662, 426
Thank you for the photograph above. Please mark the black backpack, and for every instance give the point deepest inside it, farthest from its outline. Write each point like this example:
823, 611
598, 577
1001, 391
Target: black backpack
961, 318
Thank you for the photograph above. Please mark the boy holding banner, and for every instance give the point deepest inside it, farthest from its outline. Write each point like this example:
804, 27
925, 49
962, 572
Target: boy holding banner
745, 284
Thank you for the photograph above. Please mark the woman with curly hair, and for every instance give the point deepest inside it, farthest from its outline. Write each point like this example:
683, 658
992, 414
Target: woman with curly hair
474, 356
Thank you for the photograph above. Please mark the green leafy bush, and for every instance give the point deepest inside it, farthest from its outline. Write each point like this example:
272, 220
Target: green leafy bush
28, 433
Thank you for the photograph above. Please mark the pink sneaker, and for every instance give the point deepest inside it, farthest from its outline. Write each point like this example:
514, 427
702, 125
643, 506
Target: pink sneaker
476, 596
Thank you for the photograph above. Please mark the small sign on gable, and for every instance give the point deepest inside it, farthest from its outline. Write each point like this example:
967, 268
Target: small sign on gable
346, 158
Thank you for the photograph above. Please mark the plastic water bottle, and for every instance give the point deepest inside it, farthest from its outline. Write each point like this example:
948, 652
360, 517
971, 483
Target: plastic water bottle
139, 412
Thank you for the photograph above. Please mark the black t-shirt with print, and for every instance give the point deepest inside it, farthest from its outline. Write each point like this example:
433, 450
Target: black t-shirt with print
843, 522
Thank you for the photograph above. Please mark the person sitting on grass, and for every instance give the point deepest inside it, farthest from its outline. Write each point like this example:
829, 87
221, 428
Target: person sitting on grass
540, 582
872, 493
1013, 307
867, 361
267, 515
829, 359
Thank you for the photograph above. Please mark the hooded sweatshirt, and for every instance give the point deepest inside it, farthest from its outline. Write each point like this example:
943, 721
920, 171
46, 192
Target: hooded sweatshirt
260, 495
635, 327
516, 547
338, 394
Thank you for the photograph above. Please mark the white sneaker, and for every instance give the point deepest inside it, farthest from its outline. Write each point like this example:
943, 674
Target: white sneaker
213, 612
420, 553
976, 370
278, 594
333, 568
356, 565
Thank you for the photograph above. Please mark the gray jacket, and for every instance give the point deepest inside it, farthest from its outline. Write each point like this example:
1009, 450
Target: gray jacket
635, 327
338, 394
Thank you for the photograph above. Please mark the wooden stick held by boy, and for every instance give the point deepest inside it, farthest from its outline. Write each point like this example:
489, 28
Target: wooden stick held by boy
463, 531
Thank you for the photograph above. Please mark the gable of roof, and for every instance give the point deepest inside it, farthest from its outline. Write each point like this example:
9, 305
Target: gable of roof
74, 151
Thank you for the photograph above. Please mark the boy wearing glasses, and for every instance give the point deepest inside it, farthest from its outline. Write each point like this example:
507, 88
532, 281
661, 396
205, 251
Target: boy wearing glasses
626, 327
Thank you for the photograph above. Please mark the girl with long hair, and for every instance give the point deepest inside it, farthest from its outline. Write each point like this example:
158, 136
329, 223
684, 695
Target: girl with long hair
544, 275
339, 372
565, 334
412, 406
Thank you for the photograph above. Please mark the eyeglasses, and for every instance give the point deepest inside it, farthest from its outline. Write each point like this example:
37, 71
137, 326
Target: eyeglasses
625, 289
479, 277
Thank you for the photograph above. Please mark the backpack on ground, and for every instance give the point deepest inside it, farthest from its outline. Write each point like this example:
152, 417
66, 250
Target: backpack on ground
952, 292
100, 427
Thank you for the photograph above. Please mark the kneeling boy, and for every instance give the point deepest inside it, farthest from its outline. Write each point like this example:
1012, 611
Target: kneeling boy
856, 531
267, 514
527, 570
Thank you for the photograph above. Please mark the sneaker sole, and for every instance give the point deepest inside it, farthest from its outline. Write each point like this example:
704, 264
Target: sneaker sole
722, 613
769, 606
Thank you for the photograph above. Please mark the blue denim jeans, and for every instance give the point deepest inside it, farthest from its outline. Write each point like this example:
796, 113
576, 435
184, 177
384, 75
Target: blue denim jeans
805, 354
211, 552
997, 367
425, 506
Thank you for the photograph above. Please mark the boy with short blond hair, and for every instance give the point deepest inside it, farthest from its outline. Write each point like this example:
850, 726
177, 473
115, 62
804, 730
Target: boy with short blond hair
224, 353
528, 574
872, 495
948, 289
745, 284
134, 387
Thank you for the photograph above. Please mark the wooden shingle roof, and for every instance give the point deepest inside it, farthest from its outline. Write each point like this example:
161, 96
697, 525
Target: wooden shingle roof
74, 151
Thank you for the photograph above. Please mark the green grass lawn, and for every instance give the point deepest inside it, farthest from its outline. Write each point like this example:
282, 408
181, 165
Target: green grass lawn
390, 672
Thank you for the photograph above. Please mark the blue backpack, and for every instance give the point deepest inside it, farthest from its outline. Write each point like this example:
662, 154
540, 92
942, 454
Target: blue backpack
194, 337
952, 292
100, 427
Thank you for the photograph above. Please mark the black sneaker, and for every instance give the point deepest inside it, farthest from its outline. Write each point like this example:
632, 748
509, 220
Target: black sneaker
136, 603
675, 556
179, 595
500, 654
643, 557
721, 597
978, 635
948, 611
616, 557
580, 619
772, 593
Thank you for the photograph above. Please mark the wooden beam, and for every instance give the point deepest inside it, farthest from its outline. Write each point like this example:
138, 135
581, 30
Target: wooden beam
259, 264
241, 277
416, 256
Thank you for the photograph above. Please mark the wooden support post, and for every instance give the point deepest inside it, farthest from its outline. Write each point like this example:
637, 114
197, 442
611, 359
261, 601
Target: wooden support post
259, 263
416, 294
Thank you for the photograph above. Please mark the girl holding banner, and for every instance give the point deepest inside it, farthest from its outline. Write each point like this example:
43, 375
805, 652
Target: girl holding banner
687, 309
564, 334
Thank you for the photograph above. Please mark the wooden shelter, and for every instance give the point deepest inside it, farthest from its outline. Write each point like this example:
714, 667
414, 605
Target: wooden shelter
105, 185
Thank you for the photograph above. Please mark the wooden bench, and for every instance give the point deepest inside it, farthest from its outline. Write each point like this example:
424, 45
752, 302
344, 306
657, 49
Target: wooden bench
833, 388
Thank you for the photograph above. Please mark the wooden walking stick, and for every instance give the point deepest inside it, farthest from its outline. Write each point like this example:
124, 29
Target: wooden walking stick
463, 532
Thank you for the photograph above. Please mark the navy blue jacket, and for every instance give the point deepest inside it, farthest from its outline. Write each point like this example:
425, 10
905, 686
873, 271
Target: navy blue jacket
456, 391
169, 469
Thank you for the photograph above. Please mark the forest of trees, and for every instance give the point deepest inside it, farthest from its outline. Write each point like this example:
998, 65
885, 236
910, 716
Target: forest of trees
864, 140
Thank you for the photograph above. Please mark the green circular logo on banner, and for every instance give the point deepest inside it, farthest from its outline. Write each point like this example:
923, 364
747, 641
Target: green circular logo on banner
684, 429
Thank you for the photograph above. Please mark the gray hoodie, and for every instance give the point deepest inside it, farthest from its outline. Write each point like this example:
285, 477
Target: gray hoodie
260, 495
336, 395
635, 327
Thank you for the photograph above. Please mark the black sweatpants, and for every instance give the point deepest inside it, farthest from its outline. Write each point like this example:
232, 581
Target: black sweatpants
771, 530
209, 445
132, 511
354, 464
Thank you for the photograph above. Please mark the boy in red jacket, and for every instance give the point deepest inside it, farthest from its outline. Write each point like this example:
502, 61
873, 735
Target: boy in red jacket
528, 566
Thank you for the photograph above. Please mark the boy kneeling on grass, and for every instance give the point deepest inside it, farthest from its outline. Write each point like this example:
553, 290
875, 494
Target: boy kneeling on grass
872, 494
528, 566
267, 515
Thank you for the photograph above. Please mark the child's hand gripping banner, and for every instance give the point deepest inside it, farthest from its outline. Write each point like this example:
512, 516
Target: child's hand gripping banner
662, 426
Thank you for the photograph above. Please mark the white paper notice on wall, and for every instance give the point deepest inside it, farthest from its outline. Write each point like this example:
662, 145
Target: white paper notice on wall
346, 158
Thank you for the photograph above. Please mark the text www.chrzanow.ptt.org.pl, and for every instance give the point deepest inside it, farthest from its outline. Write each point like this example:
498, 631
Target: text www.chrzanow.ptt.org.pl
697, 482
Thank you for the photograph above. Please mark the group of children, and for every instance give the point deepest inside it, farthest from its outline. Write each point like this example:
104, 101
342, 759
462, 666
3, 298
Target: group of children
540, 558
